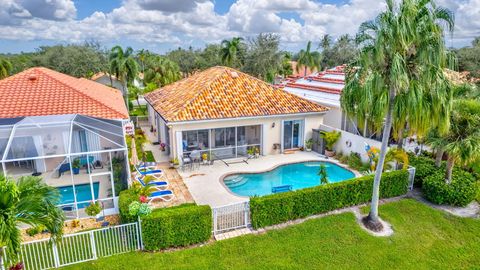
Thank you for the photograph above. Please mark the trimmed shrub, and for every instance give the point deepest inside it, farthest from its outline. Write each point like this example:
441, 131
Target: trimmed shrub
424, 167
278, 208
126, 197
182, 225
460, 192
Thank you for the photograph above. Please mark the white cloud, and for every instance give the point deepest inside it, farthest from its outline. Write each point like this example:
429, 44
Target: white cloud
182, 22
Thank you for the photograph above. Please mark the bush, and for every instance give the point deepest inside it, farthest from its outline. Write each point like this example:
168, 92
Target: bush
177, 226
93, 209
424, 166
126, 197
278, 208
461, 191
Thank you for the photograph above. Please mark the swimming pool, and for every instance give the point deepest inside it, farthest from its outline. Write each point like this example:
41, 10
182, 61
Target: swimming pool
299, 175
84, 194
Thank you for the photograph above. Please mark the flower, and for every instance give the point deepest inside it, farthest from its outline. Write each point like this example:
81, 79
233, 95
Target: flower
143, 199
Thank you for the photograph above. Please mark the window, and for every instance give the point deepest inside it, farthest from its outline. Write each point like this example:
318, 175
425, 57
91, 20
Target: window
223, 137
195, 140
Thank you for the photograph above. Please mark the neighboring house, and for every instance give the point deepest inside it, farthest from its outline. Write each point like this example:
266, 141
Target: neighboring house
224, 112
112, 81
68, 131
324, 88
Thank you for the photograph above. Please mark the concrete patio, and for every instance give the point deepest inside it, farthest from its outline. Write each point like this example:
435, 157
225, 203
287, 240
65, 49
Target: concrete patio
206, 187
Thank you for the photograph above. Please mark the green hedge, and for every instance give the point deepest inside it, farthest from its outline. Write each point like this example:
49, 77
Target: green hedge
278, 208
461, 191
177, 226
125, 198
424, 167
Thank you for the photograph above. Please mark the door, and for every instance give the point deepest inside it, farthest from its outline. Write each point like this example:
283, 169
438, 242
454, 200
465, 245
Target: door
292, 134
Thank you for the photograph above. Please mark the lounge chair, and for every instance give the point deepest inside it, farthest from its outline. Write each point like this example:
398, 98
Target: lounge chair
164, 195
153, 184
157, 174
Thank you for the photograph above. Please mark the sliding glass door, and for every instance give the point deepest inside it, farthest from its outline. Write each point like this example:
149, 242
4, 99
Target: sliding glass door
223, 143
292, 134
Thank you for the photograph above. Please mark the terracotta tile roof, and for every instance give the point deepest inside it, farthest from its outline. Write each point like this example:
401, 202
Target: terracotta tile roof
221, 92
323, 81
41, 91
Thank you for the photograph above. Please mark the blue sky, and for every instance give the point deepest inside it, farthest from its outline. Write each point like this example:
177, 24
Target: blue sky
162, 25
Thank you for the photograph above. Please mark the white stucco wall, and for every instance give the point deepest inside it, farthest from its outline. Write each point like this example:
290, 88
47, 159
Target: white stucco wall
350, 142
271, 128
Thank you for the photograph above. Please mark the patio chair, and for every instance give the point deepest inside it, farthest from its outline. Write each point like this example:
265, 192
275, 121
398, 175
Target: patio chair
153, 184
157, 174
164, 195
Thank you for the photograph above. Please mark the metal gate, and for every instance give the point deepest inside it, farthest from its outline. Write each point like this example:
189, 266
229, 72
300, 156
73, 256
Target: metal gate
318, 142
231, 217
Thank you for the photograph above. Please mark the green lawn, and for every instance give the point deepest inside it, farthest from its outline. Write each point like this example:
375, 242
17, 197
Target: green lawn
424, 239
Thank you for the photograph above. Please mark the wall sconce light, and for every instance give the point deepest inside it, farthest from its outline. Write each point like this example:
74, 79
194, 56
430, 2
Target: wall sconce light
273, 124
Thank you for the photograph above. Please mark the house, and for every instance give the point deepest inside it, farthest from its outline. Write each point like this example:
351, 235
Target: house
324, 88
227, 113
112, 81
68, 131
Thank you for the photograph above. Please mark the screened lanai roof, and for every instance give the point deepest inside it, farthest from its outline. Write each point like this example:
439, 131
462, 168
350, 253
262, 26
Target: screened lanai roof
58, 135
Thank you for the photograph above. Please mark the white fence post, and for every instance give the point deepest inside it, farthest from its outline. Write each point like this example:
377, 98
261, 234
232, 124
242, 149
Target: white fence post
3, 259
56, 259
247, 210
94, 247
139, 232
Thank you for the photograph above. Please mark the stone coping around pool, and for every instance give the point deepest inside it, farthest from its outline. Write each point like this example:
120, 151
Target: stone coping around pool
332, 161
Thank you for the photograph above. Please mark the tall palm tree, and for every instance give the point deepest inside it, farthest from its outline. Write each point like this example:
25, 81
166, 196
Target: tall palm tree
161, 71
5, 68
326, 42
142, 56
27, 201
403, 54
230, 49
308, 59
123, 66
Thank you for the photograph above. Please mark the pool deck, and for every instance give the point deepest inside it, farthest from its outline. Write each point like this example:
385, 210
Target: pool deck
206, 185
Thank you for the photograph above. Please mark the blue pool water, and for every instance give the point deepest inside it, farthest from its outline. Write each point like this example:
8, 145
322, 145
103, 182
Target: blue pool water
299, 175
84, 194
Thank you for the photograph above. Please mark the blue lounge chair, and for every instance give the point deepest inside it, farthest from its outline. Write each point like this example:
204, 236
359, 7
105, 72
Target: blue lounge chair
157, 174
153, 184
164, 195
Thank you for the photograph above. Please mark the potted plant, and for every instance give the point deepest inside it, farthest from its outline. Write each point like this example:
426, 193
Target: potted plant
257, 152
250, 152
162, 146
308, 145
93, 210
330, 138
205, 158
76, 166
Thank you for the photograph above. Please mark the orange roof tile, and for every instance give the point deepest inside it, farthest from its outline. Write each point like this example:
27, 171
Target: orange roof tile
40, 91
221, 92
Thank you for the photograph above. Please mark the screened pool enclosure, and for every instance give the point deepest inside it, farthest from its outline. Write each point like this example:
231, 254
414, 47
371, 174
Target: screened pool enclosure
84, 157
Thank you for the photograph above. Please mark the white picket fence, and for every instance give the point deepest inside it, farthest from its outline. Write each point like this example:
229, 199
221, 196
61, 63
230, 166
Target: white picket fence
231, 217
78, 247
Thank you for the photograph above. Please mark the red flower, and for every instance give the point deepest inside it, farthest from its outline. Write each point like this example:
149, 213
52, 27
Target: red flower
143, 199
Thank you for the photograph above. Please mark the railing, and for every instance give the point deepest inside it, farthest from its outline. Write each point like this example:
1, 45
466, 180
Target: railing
231, 217
78, 247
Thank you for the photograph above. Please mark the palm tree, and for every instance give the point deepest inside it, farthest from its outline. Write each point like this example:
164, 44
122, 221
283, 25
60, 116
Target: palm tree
308, 59
403, 54
5, 68
161, 71
27, 201
142, 56
123, 66
230, 49
462, 142
326, 42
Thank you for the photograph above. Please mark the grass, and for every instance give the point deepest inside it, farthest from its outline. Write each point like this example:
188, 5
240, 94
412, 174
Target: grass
424, 239
138, 110
149, 156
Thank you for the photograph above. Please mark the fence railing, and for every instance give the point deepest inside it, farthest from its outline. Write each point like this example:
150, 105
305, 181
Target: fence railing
231, 217
78, 247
